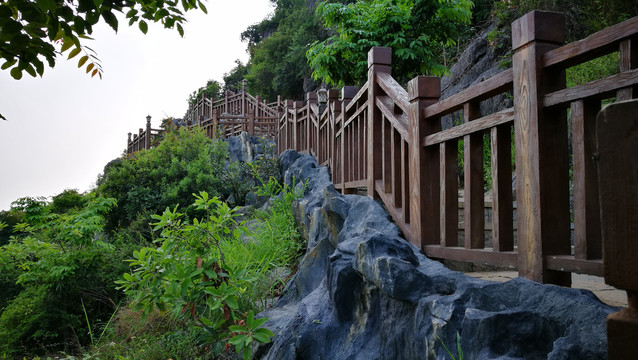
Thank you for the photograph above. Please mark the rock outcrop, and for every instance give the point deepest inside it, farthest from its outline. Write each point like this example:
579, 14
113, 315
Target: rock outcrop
363, 292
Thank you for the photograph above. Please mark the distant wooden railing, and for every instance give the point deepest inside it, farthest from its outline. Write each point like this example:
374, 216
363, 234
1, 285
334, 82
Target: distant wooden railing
144, 139
389, 142
225, 117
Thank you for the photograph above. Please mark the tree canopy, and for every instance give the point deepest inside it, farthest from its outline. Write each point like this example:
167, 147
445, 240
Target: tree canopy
30, 30
416, 30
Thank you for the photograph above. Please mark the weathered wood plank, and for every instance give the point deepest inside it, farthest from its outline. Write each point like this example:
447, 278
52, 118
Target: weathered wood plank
478, 125
395, 213
569, 264
587, 236
628, 60
396, 169
596, 89
379, 60
394, 91
617, 136
502, 211
497, 84
386, 163
598, 44
474, 217
477, 256
448, 151
399, 122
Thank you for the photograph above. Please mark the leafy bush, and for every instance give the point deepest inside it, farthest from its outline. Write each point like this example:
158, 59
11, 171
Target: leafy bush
54, 263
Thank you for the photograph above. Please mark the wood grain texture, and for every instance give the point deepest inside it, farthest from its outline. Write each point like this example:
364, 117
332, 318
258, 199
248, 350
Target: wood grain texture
497, 84
587, 236
474, 216
395, 91
598, 44
502, 209
398, 121
448, 152
617, 140
478, 125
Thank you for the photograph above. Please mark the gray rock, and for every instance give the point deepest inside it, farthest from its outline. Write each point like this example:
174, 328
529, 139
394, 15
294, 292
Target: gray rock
362, 292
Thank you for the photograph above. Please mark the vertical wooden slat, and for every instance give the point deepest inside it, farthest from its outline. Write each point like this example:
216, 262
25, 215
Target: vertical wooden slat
541, 157
356, 154
449, 193
628, 60
396, 170
424, 163
587, 236
347, 93
502, 209
405, 179
379, 60
474, 217
386, 163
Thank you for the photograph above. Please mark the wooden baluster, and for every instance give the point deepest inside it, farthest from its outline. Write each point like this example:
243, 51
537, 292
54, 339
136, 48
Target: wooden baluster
541, 149
311, 99
474, 216
618, 175
502, 208
251, 122
347, 93
379, 61
628, 61
129, 145
334, 107
424, 163
449, 218
587, 237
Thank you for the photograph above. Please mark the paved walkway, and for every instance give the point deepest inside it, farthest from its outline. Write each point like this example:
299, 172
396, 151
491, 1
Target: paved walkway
595, 284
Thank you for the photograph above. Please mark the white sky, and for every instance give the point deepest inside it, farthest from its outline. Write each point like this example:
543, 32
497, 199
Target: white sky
64, 127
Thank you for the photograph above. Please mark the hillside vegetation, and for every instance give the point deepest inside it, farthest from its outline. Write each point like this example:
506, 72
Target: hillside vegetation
152, 263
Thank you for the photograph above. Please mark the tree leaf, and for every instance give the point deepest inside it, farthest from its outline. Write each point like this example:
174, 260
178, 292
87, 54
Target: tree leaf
8, 64
201, 5
82, 60
66, 45
16, 73
89, 67
180, 30
143, 26
74, 52
95, 72
110, 19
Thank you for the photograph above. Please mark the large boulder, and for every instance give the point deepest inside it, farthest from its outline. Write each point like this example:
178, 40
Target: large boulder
363, 292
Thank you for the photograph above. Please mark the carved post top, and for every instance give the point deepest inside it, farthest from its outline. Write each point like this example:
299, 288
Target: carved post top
141, 131
148, 119
424, 87
129, 136
348, 92
538, 26
379, 55
244, 83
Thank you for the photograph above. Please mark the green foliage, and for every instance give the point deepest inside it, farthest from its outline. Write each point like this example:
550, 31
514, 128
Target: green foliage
234, 78
212, 90
29, 30
185, 162
188, 275
67, 200
53, 263
278, 45
416, 30
595, 69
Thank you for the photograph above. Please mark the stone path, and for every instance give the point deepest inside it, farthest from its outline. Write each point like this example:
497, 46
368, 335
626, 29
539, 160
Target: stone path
595, 284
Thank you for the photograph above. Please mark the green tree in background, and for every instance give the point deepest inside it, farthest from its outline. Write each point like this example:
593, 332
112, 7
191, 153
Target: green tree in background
233, 78
29, 29
277, 45
213, 89
416, 30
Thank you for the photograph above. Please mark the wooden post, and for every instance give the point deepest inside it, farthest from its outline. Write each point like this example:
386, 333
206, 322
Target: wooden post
213, 132
618, 175
347, 93
251, 123
311, 99
424, 163
147, 142
379, 61
129, 148
335, 108
541, 149
473, 209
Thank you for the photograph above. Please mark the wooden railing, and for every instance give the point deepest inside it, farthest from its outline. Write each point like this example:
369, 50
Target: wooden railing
389, 142
144, 139
226, 117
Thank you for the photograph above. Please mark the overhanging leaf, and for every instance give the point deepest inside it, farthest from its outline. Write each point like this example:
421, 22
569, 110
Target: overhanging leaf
83, 60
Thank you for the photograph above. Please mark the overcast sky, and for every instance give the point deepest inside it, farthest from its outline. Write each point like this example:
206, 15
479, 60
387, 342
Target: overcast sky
64, 127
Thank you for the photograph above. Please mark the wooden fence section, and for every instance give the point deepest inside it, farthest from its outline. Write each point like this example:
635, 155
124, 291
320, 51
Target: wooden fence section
389, 141
225, 117
144, 139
